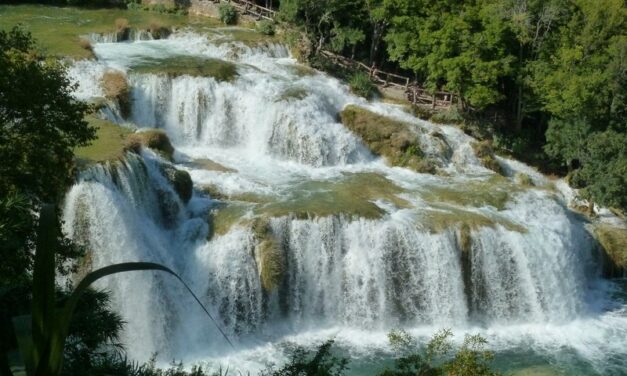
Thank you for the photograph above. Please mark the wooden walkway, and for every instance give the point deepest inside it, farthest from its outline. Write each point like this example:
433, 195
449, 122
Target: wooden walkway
252, 9
413, 92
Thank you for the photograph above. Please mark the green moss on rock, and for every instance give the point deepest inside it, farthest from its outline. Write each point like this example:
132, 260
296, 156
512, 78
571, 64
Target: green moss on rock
464, 238
395, 140
613, 240
154, 139
439, 218
485, 153
269, 256
116, 88
523, 179
353, 195
493, 192
195, 66
180, 180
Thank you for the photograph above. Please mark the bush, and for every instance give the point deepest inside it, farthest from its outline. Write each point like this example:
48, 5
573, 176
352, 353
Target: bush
134, 5
361, 85
450, 116
266, 27
228, 14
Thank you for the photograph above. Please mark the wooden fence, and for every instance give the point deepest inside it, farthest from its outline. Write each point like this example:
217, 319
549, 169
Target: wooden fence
253, 9
413, 92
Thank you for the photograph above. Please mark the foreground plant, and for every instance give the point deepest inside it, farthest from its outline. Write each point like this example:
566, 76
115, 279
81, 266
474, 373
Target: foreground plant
437, 359
41, 336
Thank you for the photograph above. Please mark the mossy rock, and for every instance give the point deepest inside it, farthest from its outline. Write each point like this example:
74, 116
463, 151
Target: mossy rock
494, 192
293, 93
613, 240
180, 180
523, 179
158, 31
269, 256
196, 66
353, 196
227, 215
485, 153
441, 218
116, 88
395, 140
154, 139
464, 238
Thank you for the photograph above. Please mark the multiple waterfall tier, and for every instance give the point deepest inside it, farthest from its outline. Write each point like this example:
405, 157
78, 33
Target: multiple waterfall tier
296, 231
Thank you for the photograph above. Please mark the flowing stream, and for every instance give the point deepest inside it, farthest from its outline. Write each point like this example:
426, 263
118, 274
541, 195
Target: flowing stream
297, 233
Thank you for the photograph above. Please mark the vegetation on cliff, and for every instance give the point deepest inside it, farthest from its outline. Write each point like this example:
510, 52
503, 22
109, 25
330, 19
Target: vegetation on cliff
395, 140
545, 79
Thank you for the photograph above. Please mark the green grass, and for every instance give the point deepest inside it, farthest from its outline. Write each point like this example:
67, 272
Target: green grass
107, 147
58, 29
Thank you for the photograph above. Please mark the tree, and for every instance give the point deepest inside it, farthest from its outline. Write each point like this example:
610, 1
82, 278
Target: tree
534, 24
339, 22
459, 46
37, 132
583, 85
40, 124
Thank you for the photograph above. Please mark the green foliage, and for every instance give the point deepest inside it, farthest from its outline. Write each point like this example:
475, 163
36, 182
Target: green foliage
603, 175
471, 359
266, 27
339, 23
227, 14
361, 85
38, 133
302, 363
460, 46
42, 343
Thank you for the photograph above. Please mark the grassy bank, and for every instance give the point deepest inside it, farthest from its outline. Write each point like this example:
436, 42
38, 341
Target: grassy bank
58, 29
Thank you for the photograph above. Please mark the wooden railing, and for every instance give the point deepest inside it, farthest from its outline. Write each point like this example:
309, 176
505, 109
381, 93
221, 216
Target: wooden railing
253, 9
413, 92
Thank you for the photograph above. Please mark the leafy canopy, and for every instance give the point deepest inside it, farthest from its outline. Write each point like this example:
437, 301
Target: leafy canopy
40, 122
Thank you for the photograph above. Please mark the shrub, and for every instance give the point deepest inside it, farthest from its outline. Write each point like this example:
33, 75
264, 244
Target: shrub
361, 85
159, 8
450, 116
266, 27
228, 14
134, 5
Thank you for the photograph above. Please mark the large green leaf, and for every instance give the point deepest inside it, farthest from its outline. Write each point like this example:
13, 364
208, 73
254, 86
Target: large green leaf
42, 339
64, 319
43, 287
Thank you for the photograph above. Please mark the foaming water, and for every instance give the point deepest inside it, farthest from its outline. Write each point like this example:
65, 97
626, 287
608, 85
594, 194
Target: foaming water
315, 237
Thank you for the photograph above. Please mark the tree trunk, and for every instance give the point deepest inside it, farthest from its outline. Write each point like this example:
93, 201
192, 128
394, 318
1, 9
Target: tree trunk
374, 43
519, 102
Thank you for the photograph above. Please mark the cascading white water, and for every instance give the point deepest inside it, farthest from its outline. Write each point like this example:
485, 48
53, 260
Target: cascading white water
529, 262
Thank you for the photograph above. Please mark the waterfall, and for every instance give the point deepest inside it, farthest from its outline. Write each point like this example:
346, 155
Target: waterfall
304, 230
